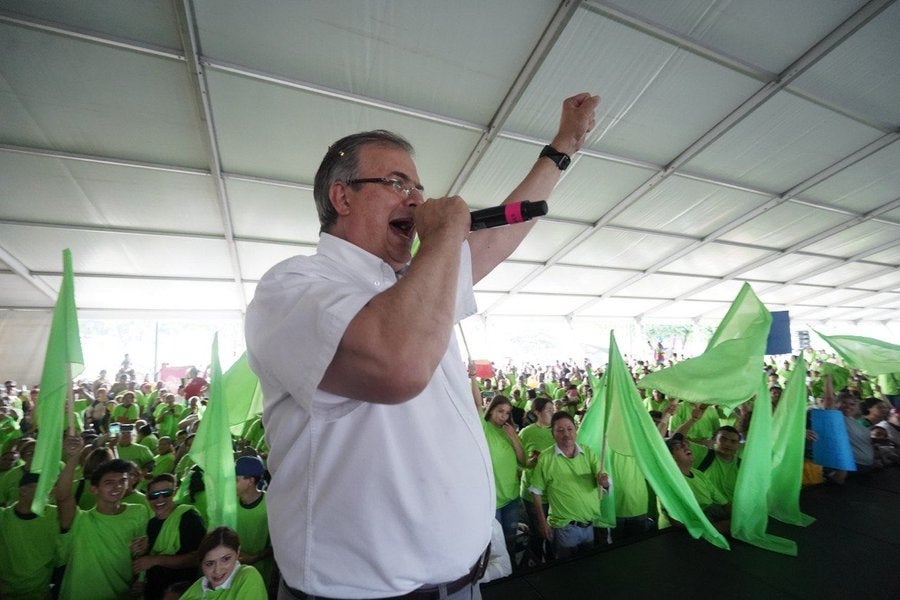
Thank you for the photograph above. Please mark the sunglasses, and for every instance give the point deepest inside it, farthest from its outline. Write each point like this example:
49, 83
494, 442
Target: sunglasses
160, 494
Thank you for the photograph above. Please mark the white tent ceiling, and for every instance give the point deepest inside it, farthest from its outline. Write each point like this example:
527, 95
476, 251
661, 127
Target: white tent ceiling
172, 145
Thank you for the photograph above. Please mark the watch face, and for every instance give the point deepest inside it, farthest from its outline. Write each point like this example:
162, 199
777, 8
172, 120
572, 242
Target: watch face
563, 161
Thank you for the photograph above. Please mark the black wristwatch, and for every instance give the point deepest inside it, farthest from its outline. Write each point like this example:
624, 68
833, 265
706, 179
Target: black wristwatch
561, 159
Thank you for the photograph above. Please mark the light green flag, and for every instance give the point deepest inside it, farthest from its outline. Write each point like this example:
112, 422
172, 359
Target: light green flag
592, 433
213, 452
635, 433
62, 362
875, 357
788, 439
727, 373
243, 394
750, 512
839, 378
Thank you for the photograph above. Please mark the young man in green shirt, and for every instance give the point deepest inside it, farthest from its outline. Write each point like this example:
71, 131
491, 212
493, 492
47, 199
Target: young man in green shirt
99, 543
713, 502
252, 516
29, 545
570, 477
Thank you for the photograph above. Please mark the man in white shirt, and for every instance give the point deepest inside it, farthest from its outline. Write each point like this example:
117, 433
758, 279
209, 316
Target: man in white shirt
381, 479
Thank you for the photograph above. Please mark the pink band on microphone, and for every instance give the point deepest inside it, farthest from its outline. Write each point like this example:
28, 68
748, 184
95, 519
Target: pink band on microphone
514, 213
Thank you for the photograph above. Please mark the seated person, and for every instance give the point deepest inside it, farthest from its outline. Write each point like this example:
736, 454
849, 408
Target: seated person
224, 577
712, 502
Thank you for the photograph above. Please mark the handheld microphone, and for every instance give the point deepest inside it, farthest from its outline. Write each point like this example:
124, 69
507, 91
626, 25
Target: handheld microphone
507, 214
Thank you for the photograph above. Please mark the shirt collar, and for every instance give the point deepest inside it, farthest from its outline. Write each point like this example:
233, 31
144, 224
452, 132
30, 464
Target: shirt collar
357, 259
204, 584
578, 450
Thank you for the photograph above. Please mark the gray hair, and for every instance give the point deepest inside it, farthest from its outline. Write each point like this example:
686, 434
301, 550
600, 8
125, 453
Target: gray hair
341, 163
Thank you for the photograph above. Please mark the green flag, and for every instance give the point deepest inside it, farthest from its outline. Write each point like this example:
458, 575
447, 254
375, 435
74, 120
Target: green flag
727, 373
875, 357
243, 394
750, 513
212, 451
839, 378
62, 362
592, 433
788, 439
645, 443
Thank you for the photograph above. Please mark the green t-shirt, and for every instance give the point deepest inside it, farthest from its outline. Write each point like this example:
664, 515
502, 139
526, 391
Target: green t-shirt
151, 441
253, 529
28, 552
631, 496
99, 553
506, 465
247, 584
704, 491
129, 412
167, 417
9, 485
164, 463
136, 453
569, 484
720, 474
534, 437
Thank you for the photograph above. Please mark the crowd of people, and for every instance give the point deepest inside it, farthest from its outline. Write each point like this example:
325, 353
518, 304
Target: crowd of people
128, 513
129, 508
548, 485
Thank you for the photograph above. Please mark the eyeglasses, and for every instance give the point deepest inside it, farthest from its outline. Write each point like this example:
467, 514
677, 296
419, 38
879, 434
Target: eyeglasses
160, 494
399, 186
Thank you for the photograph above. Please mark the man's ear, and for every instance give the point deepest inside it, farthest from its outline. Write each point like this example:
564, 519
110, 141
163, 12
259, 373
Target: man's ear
337, 193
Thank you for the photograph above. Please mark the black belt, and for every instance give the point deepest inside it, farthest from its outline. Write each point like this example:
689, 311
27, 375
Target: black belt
580, 524
426, 592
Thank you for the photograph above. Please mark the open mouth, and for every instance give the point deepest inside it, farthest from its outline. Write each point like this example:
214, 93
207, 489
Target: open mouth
403, 227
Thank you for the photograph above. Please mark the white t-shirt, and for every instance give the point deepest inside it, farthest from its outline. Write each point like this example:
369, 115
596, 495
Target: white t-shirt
367, 500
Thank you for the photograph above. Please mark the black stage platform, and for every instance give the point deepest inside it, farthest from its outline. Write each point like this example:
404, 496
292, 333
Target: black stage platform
851, 551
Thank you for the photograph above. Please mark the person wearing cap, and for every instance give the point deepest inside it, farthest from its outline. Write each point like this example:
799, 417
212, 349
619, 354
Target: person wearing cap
252, 516
712, 502
168, 553
27, 568
775, 392
570, 477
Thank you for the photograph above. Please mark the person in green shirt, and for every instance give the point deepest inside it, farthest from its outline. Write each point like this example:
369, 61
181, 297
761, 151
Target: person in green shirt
712, 502
9, 480
146, 436
224, 577
507, 455
167, 414
571, 478
252, 516
128, 449
99, 543
164, 461
173, 536
536, 438
28, 546
719, 462
127, 411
